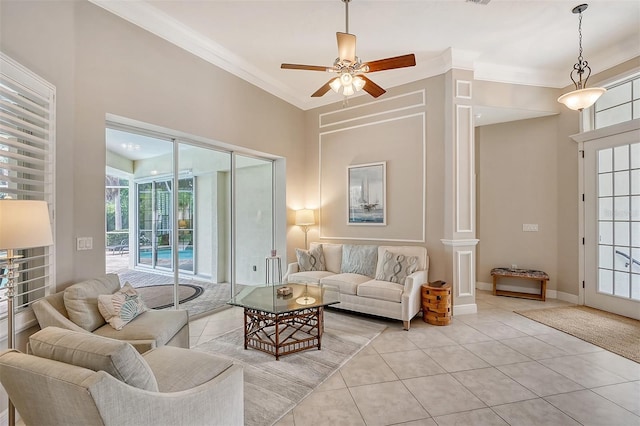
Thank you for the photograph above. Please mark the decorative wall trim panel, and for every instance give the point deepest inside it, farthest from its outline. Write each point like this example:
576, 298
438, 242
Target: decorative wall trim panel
465, 272
463, 89
464, 169
372, 109
401, 142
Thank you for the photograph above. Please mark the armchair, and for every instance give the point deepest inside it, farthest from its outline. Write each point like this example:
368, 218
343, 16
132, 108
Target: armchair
76, 378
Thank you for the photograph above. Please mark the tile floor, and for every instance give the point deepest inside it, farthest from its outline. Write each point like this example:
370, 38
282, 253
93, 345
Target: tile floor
491, 368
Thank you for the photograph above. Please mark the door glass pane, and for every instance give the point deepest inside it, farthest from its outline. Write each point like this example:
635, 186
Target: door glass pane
605, 160
254, 218
621, 206
605, 208
621, 183
605, 184
635, 181
605, 281
621, 284
621, 158
635, 286
605, 257
606, 232
635, 154
621, 259
635, 234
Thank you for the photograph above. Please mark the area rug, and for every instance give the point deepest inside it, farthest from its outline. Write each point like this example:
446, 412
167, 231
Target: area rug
615, 333
161, 296
272, 388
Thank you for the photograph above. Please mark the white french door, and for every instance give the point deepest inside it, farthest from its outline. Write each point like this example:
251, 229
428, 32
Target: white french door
612, 220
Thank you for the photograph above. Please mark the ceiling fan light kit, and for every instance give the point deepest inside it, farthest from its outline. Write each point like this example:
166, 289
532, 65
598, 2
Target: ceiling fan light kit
351, 69
582, 97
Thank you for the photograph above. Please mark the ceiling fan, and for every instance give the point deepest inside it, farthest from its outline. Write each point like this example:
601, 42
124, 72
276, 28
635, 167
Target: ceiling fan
350, 69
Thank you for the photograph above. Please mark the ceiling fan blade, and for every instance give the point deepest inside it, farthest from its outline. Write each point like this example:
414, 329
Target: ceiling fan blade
324, 89
371, 88
304, 67
391, 63
346, 47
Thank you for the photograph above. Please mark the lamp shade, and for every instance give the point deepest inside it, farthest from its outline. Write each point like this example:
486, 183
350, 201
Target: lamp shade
581, 99
305, 217
24, 224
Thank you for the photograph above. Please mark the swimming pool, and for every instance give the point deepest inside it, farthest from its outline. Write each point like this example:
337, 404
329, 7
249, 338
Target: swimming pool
166, 253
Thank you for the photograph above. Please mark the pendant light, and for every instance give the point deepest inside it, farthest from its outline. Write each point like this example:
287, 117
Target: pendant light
582, 97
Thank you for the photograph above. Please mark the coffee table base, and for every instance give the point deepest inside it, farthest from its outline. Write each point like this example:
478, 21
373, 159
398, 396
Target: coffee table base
285, 333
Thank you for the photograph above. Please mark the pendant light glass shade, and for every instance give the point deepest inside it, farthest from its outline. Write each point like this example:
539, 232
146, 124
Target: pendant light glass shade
581, 99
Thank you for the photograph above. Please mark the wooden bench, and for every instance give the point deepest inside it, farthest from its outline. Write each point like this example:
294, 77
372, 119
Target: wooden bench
528, 274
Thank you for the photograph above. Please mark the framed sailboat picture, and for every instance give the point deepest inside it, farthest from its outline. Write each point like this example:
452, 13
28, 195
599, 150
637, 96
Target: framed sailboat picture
367, 185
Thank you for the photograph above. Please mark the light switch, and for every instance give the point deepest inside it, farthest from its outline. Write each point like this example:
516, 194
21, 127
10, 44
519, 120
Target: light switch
529, 227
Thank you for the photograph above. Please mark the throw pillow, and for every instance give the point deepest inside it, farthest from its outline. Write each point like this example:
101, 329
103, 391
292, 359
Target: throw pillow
359, 259
81, 300
121, 307
396, 267
311, 260
96, 353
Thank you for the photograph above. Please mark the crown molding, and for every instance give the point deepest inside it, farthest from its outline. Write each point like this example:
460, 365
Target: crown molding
143, 14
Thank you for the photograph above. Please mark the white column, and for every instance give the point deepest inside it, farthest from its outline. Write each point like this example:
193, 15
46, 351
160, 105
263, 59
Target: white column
460, 190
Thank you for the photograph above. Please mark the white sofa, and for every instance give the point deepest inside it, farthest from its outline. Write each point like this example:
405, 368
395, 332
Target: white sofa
365, 293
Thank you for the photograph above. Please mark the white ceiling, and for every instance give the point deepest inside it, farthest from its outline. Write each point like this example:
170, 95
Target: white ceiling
516, 41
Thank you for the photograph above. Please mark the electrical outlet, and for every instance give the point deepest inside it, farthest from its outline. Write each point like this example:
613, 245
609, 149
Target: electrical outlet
514, 266
529, 227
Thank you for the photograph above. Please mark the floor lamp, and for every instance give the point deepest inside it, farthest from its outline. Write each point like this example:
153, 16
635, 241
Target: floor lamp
24, 224
304, 219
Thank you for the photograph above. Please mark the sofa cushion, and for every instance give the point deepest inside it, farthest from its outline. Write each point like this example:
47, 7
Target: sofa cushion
347, 283
311, 260
332, 256
395, 267
159, 326
121, 307
81, 300
194, 368
419, 251
359, 259
308, 277
96, 353
383, 290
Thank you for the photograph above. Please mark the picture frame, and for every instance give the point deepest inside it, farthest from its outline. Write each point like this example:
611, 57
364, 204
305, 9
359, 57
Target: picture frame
366, 194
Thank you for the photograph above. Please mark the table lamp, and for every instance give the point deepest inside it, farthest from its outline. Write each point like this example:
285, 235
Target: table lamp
23, 224
304, 219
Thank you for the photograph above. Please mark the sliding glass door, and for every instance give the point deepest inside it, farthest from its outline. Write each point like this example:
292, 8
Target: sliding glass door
253, 218
201, 218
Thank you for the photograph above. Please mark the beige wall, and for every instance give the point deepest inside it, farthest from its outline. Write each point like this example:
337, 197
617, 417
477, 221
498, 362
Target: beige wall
517, 184
102, 64
412, 143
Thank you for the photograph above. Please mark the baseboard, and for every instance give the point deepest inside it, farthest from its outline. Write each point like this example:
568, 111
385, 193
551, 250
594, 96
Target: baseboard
469, 308
567, 297
484, 286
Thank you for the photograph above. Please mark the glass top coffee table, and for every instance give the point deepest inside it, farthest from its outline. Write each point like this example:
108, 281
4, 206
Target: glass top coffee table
284, 324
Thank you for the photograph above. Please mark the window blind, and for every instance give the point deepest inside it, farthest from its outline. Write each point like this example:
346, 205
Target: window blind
27, 161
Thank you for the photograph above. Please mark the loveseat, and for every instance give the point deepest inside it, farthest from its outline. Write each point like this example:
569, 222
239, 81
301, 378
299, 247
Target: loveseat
376, 280
76, 308
74, 378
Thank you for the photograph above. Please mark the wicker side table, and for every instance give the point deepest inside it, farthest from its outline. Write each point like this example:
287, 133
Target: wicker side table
436, 303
